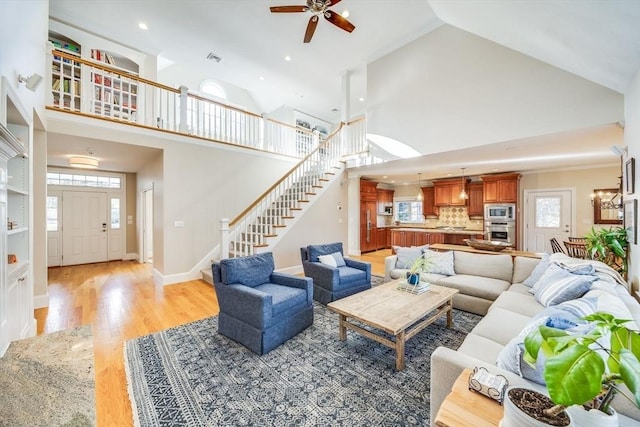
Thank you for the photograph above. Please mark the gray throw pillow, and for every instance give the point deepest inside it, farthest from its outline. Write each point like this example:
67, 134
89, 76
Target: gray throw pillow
407, 256
439, 262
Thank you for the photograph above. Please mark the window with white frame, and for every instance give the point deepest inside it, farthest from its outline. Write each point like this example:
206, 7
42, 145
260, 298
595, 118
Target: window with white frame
52, 213
408, 210
83, 180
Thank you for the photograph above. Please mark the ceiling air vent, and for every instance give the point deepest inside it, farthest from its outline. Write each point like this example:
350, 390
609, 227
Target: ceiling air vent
213, 57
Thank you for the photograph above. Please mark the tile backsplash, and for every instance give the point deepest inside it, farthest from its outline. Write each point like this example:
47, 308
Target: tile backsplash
452, 216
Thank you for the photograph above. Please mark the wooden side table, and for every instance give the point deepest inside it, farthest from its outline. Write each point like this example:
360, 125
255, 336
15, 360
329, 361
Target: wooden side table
463, 407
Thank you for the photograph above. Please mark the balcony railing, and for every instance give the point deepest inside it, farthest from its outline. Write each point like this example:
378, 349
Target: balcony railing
99, 90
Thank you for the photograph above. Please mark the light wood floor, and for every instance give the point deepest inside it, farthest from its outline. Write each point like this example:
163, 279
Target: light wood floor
121, 302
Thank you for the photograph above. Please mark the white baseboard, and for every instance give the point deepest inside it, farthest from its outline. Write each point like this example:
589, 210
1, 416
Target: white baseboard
41, 301
131, 257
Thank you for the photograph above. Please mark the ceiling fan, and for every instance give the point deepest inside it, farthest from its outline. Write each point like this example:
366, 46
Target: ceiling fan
317, 8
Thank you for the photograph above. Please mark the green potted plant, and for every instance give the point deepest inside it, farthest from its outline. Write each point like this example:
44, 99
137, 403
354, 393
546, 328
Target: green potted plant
580, 370
609, 245
420, 265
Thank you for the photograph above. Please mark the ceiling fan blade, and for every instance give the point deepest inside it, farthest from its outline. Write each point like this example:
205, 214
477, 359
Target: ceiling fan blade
333, 2
338, 21
288, 9
311, 28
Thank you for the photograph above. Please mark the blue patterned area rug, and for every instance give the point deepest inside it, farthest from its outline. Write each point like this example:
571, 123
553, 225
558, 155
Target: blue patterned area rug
192, 376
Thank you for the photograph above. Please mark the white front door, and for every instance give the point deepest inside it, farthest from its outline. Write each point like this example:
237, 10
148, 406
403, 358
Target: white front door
548, 214
84, 226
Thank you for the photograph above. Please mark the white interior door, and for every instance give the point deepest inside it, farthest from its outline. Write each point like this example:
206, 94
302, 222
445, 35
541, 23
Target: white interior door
84, 227
548, 214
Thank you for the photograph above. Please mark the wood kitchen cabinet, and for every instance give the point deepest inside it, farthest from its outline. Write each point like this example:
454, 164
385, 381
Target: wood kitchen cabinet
447, 192
436, 238
402, 238
381, 238
385, 198
476, 200
501, 188
428, 202
368, 215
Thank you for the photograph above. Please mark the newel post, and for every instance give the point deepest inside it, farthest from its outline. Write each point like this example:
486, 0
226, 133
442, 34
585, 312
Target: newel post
224, 238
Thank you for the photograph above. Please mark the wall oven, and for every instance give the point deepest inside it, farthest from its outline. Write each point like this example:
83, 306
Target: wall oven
501, 231
500, 212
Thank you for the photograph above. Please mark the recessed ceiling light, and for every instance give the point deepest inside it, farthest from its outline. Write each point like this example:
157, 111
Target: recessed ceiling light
345, 13
142, 26
361, 99
287, 58
261, 78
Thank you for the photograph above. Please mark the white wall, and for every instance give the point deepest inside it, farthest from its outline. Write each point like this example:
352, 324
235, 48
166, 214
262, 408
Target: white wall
451, 89
23, 36
583, 180
632, 141
191, 76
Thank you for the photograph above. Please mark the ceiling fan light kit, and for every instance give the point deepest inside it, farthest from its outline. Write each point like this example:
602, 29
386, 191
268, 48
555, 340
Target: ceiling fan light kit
317, 8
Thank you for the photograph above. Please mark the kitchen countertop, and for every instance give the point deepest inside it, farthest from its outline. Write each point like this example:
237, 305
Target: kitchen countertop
435, 230
508, 251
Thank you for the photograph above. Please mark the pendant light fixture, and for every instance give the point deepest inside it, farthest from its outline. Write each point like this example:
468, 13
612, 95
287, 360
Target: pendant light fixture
419, 196
463, 193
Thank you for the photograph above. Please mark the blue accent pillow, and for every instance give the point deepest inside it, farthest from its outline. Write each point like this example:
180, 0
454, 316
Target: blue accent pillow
538, 271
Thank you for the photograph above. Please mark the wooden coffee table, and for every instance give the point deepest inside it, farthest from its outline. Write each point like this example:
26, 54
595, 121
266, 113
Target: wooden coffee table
399, 313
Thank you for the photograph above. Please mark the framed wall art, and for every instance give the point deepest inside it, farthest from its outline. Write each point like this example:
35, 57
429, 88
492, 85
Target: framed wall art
629, 176
631, 220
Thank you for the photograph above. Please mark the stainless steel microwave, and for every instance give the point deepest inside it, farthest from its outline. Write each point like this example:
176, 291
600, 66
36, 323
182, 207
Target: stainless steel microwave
501, 212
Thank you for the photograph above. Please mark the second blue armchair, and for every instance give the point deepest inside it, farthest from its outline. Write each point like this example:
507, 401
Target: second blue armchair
332, 283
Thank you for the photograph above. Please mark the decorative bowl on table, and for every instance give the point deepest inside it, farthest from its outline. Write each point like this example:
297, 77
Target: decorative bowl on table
488, 245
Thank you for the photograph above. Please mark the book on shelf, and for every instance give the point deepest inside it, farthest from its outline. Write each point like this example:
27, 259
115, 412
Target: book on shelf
419, 288
56, 84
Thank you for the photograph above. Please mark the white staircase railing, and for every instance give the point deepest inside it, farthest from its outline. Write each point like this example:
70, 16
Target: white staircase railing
258, 226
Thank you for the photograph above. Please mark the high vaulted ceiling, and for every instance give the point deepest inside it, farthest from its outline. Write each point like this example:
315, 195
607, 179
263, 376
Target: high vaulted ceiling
598, 40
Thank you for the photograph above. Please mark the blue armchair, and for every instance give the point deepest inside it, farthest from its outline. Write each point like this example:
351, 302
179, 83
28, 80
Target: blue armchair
260, 308
332, 283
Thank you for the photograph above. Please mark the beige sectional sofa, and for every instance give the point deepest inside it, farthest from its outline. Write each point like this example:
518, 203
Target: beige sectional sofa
492, 285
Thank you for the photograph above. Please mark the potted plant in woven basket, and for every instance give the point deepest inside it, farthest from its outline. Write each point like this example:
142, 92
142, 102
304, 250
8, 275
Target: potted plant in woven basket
588, 368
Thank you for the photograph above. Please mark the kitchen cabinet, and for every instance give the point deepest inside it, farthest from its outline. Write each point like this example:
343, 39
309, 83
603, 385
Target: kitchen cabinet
385, 199
429, 208
476, 200
402, 238
408, 238
368, 190
501, 188
368, 215
420, 238
458, 239
436, 238
447, 192
381, 238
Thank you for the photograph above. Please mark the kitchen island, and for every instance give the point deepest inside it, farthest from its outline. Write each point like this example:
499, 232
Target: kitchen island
466, 248
418, 236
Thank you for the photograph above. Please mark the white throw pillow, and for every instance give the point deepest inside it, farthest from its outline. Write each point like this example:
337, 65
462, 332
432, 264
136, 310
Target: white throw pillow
407, 256
334, 260
439, 262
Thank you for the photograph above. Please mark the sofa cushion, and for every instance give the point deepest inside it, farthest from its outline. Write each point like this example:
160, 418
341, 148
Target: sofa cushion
499, 266
252, 270
407, 256
500, 325
519, 288
315, 251
517, 302
440, 262
481, 287
349, 275
283, 297
334, 260
523, 267
481, 348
